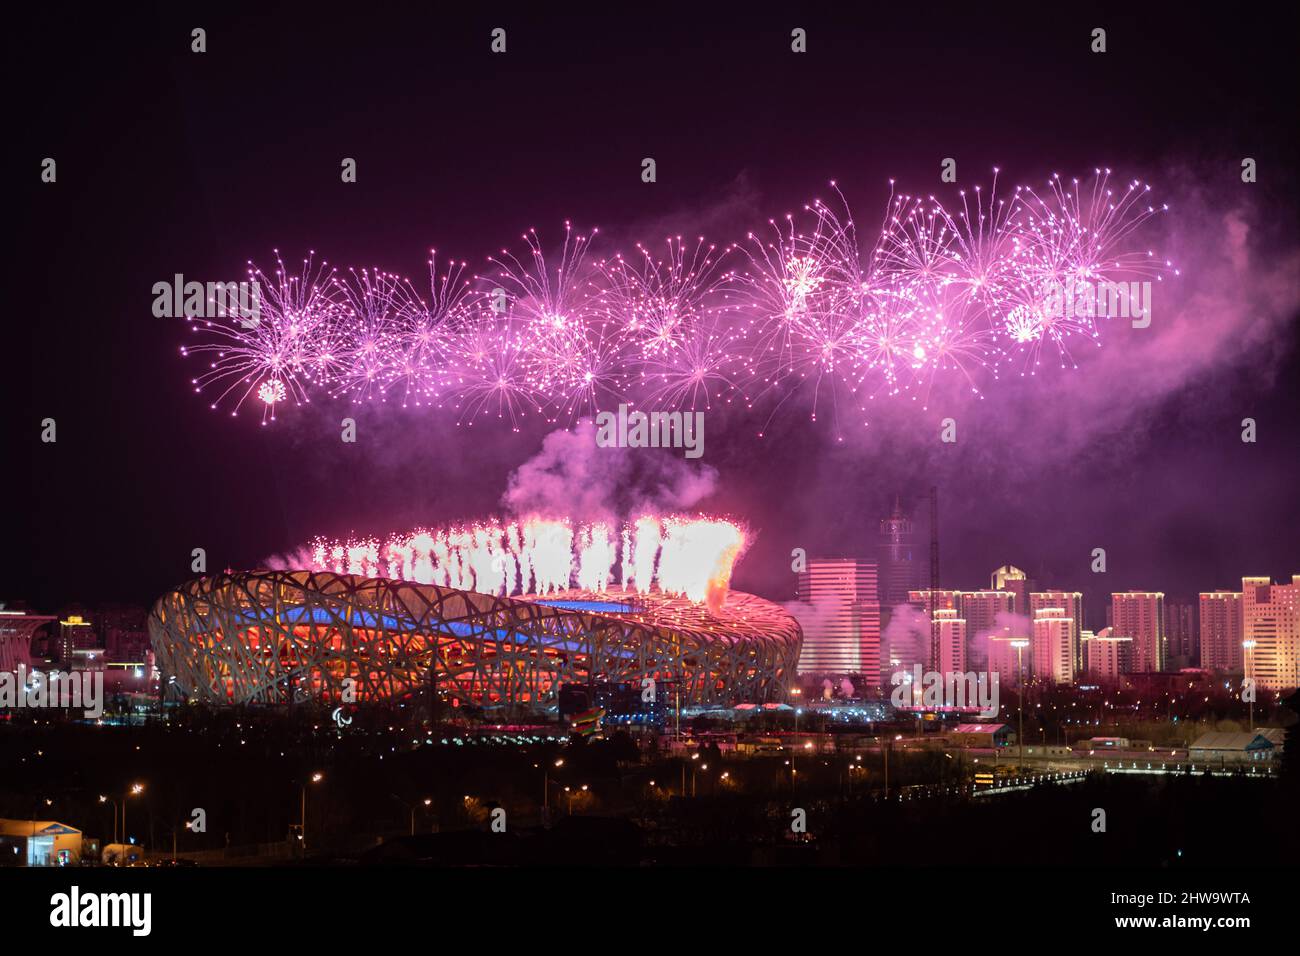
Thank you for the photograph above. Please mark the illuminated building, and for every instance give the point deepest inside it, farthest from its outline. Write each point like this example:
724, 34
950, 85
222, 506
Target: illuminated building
942, 600
1141, 616
1010, 578
1221, 631
1071, 604
981, 610
949, 642
1270, 615
1004, 659
841, 626
1105, 656
75, 634
39, 843
946, 626
275, 636
1053, 645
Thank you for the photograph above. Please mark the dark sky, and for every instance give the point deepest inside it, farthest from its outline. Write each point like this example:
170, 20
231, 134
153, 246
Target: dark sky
174, 162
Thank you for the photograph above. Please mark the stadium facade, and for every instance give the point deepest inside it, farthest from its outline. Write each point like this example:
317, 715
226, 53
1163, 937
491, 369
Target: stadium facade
273, 636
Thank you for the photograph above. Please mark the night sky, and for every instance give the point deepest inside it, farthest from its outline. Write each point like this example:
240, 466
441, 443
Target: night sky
172, 162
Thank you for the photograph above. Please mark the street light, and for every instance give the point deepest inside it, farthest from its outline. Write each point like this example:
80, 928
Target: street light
546, 784
116, 810
1249, 645
411, 807
133, 791
302, 827
1020, 646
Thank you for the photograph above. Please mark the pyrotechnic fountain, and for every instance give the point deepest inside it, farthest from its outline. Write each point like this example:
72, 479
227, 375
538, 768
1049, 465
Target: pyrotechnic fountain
683, 556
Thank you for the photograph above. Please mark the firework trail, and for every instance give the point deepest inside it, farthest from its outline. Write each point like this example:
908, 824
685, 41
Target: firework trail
804, 314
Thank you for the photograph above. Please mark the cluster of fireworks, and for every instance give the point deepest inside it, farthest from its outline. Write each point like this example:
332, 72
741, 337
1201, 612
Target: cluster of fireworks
681, 556
801, 310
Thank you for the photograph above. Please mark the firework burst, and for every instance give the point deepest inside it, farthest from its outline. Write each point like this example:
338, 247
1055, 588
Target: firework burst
935, 300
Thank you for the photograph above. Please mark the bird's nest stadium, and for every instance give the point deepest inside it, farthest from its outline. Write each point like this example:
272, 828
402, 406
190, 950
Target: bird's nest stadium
272, 636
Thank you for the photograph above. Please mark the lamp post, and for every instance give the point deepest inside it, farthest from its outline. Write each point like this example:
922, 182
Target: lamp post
411, 806
570, 792
133, 791
1020, 646
116, 810
546, 784
1249, 645
302, 827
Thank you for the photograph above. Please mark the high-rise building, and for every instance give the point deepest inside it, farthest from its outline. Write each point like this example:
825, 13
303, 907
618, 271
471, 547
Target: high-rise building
840, 618
1270, 615
75, 634
1141, 616
1106, 657
1071, 603
1221, 631
949, 642
942, 600
981, 610
930, 604
1010, 578
1053, 645
900, 572
1181, 635
1005, 659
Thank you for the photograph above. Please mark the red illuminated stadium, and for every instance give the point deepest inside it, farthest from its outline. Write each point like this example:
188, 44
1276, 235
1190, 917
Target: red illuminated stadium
269, 636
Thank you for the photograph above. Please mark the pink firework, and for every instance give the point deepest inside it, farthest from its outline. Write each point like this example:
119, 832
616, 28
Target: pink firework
421, 343
573, 351
658, 299
279, 354
380, 307
814, 317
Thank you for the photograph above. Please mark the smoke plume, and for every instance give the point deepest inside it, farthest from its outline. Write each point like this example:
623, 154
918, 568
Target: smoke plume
572, 477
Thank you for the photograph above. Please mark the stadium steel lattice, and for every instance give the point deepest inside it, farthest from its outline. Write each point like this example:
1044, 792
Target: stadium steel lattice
270, 636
